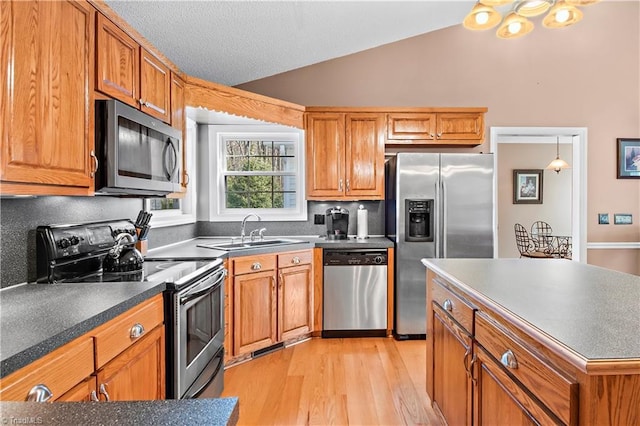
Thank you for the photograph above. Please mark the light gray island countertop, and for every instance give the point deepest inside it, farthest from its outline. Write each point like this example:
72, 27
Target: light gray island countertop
591, 311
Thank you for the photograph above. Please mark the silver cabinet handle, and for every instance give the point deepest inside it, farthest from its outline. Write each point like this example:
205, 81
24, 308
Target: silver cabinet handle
295, 260
136, 331
94, 396
431, 135
509, 360
256, 266
348, 186
281, 281
448, 305
103, 391
340, 185
39, 393
439, 135
96, 164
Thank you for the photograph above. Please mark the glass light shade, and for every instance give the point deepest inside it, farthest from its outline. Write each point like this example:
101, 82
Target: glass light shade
562, 15
529, 8
581, 2
481, 17
498, 2
514, 26
557, 165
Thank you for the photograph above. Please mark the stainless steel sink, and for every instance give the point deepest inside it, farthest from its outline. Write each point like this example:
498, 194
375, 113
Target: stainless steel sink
250, 244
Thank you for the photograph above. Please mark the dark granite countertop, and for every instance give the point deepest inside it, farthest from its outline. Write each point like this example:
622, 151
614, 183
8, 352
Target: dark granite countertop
35, 319
592, 311
188, 249
218, 411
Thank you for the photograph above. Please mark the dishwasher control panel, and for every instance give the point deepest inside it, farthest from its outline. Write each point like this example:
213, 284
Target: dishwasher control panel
337, 257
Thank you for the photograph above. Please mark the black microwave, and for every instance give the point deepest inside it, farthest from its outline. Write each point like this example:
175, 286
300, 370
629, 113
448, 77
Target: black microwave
137, 154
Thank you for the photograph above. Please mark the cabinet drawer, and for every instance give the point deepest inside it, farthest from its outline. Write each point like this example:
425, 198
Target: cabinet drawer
553, 389
294, 258
59, 371
117, 335
249, 264
460, 310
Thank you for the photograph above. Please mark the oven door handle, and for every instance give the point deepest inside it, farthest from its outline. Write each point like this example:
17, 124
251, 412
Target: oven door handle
208, 289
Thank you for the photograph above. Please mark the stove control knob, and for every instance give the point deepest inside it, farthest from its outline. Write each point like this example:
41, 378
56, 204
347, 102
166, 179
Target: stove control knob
74, 240
64, 243
377, 260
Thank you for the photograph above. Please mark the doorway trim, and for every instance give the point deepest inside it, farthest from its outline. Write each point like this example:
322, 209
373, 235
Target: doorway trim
578, 138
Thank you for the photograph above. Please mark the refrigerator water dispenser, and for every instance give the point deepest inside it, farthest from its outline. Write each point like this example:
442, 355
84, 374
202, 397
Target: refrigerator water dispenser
418, 220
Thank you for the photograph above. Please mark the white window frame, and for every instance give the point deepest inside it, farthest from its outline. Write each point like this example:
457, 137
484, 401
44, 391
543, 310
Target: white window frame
215, 197
187, 212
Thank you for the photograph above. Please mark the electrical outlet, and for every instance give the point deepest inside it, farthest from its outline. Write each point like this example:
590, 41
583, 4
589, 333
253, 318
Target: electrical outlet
318, 219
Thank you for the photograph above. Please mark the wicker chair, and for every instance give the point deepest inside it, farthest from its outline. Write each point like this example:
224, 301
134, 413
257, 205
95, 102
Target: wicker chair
526, 246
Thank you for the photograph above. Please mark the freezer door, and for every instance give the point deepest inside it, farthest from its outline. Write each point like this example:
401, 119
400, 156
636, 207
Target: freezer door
417, 177
467, 205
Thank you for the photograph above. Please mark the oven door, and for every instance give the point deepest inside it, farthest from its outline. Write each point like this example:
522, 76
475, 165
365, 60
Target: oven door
199, 334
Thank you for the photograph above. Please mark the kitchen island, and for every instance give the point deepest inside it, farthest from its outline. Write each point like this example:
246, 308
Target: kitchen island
544, 340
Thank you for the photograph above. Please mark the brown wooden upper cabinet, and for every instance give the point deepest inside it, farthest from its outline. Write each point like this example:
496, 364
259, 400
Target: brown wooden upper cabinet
47, 98
453, 127
345, 156
128, 72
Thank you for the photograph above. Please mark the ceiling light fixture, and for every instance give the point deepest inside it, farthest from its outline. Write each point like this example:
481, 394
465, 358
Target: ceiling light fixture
561, 13
558, 164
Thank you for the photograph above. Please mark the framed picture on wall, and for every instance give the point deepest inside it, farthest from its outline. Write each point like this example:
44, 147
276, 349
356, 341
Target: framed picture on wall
527, 186
628, 158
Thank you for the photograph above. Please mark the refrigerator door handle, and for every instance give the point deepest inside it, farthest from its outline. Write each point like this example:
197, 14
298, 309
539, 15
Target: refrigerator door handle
437, 214
444, 219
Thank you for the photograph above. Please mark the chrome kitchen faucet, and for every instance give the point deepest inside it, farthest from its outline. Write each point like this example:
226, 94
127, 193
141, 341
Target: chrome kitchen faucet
244, 221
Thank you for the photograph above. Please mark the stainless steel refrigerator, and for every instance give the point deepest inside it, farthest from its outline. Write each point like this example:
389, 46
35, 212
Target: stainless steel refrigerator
437, 206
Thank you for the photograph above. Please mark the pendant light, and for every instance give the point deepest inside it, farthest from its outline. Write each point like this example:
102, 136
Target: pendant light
562, 14
514, 26
558, 164
481, 17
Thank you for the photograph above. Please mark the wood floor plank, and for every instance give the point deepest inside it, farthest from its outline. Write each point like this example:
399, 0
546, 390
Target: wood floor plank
366, 381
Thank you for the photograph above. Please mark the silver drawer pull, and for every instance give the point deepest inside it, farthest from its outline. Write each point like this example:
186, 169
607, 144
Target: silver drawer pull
256, 266
94, 396
509, 360
136, 331
39, 393
448, 305
295, 260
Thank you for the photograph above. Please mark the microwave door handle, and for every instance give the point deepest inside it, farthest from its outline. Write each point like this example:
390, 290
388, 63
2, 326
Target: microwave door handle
165, 165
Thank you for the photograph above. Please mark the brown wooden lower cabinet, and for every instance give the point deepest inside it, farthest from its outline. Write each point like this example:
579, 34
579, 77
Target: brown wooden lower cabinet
72, 373
451, 383
137, 373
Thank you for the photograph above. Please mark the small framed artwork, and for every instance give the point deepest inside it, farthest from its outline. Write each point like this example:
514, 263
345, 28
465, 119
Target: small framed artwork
628, 158
603, 218
622, 219
527, 186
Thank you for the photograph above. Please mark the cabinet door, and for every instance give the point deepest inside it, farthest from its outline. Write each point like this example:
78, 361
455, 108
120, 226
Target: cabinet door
47, 102
138, 373
82, 392
254, 308
118, 63
501, 401
407, 127
325, 155
295, 303
451, 383
178, 121
155, 87
364, 156
465, 128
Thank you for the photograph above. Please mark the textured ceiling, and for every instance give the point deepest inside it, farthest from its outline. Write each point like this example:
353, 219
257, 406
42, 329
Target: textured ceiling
233, 42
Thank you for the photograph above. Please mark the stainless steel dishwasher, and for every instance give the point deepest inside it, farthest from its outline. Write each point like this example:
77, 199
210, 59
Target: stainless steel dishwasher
355, 293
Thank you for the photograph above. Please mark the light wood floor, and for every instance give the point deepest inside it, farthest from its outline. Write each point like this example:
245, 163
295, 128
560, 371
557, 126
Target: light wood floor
366, 381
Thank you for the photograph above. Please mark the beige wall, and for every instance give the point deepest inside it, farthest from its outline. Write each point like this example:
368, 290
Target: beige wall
587, 75
556, 192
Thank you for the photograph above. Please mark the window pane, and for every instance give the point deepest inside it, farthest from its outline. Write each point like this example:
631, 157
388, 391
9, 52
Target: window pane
165, 203
264, 192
